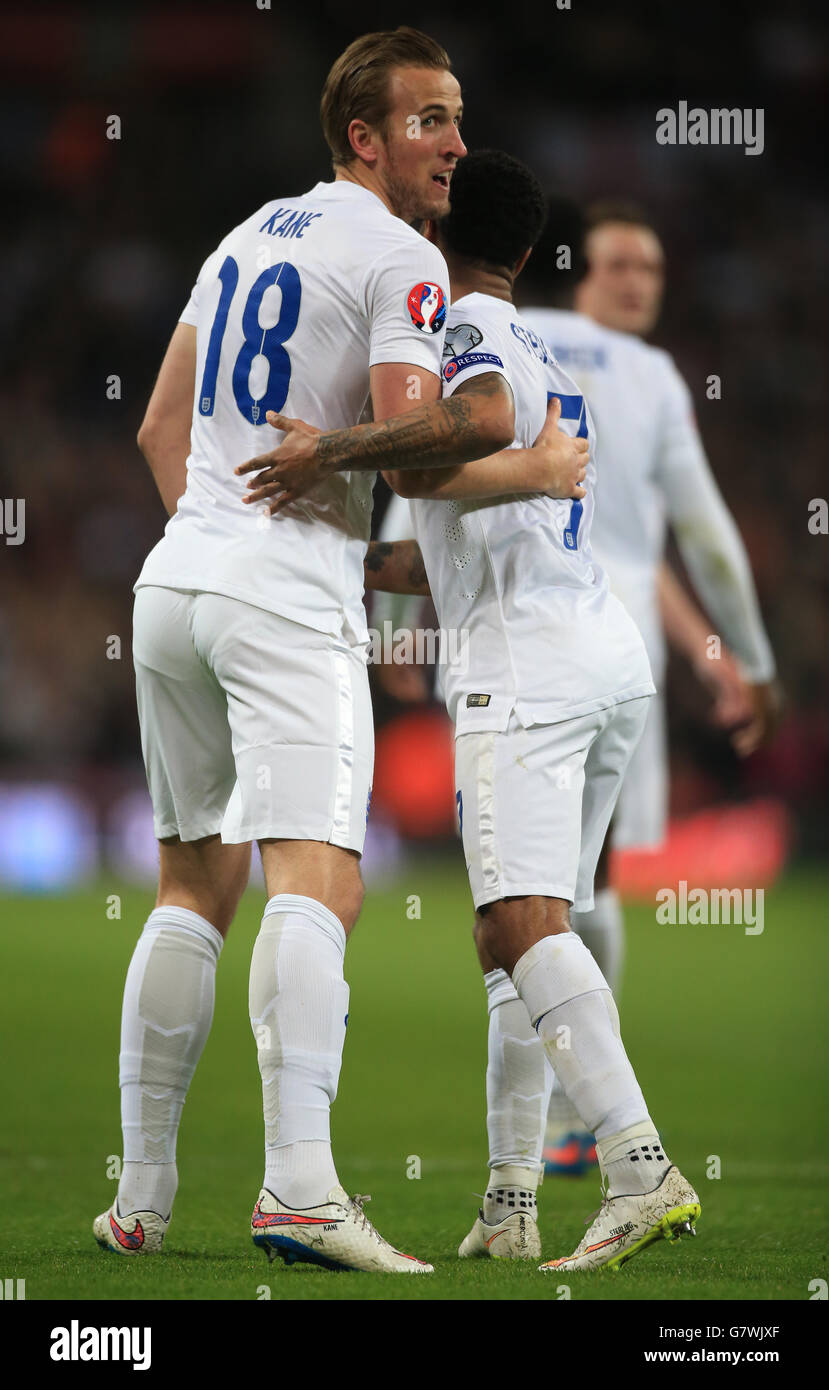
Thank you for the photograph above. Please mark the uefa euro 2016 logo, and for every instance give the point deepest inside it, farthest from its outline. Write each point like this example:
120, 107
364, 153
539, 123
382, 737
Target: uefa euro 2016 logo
427, 307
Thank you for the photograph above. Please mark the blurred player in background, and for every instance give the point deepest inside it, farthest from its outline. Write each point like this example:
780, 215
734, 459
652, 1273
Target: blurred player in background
249, 638
654, 474
547, 710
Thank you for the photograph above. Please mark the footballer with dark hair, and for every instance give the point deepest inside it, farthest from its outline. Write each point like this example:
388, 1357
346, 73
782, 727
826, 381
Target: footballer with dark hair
548, 707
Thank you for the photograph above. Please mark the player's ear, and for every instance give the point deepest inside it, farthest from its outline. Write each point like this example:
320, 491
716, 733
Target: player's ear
363, 141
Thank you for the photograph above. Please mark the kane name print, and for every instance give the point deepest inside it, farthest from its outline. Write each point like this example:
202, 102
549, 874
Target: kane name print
294, 222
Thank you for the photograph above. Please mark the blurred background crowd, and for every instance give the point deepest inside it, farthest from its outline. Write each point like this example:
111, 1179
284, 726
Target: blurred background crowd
218, 106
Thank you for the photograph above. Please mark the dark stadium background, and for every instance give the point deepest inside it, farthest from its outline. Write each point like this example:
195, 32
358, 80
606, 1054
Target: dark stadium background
101, 241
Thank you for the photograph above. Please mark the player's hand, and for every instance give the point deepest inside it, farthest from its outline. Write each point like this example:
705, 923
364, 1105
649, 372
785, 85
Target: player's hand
561, 461
290, 470
767, 712
732, 706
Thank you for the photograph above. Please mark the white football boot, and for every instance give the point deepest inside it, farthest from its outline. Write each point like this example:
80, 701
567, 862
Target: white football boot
140, 1233
514, 1238
337, 1234
626, 1225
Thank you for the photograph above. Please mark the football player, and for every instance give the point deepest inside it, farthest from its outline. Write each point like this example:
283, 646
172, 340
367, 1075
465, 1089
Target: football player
250, 638
654, 472
548, 707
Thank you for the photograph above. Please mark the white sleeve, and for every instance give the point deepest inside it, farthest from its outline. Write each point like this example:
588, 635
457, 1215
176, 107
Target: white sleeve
707, 535
190, 312
472, 349
406, 297
207, 272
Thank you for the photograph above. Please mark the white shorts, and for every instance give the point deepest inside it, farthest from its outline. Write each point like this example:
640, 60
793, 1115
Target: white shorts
252, 726
535, 804
641, 817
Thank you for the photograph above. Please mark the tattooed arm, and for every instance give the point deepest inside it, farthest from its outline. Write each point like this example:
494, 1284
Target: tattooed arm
555, 465
397, 567
468, 425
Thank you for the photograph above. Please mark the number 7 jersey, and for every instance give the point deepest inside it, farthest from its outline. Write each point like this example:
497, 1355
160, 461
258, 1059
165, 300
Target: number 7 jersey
291, 311
528, 623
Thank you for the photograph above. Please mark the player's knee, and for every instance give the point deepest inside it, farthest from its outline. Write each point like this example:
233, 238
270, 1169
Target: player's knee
346, 894
356, 893
231, 885
241, 875
224, 910
485, 935
218, 910
206, 877
347, 909
480, 935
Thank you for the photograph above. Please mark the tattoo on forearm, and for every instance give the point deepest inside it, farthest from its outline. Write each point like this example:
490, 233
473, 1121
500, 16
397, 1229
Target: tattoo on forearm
410, 440
378, 553
396, 567
417, 573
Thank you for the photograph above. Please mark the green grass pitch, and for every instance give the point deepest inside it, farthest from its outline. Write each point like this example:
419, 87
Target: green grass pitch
728, 1034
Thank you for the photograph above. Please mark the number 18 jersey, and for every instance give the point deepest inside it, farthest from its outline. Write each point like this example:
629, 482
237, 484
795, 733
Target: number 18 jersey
291, 311
528, 623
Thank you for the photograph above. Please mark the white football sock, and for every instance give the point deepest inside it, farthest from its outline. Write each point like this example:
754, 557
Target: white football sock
633, 1161
166, 1017
510, 1188
602, 930
298, 1010
518, 1081
147, 1187
562, 1116
573, 1012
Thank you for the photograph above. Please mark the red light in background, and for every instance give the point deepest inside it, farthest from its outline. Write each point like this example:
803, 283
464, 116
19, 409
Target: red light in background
414, 782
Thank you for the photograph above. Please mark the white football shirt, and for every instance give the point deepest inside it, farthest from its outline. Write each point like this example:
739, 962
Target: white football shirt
654, 470
291, 311
528, 623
